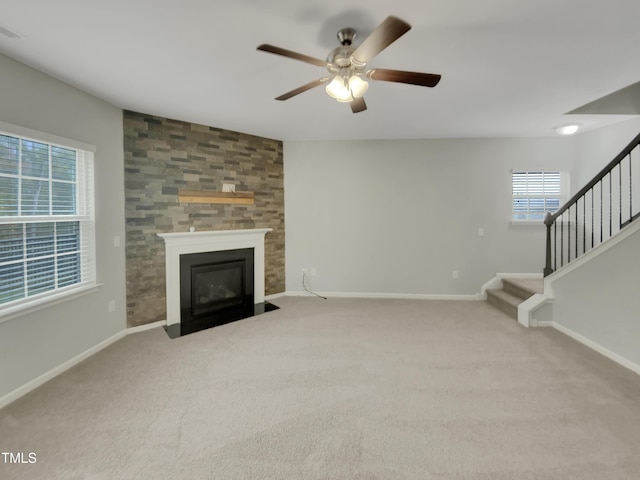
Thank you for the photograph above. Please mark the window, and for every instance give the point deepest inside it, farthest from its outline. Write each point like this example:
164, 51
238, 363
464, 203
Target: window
46, 220
536, 193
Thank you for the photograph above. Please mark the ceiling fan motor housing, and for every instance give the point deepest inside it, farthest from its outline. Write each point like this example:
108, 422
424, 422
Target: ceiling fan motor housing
346, 36
346, 64
340, 59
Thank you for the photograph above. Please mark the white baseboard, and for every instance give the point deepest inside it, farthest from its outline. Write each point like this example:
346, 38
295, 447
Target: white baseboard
519, 275
611, 355
496, 282
146, 326
275, 295
544, 323
400, 296
63, 367
54, 372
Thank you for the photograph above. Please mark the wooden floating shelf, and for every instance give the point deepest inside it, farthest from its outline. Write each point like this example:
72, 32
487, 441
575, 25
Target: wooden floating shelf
204, 196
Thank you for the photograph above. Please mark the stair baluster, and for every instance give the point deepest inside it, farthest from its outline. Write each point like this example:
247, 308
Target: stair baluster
625, 183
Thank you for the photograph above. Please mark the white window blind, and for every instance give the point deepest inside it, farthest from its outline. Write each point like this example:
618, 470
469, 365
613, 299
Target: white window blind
47, 240
536, 193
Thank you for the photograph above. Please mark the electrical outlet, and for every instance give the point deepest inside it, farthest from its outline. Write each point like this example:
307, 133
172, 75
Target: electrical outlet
314, 272
111, 306
455, 274
481, 232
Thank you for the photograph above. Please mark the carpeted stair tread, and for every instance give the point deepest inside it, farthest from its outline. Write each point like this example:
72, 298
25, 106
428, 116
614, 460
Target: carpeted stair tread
505, 301
523, 287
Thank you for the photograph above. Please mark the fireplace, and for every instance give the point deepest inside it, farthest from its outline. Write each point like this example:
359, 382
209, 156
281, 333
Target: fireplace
215, 281
213, 278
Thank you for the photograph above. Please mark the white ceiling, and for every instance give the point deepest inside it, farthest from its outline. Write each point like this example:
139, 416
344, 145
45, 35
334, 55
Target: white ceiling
509, 67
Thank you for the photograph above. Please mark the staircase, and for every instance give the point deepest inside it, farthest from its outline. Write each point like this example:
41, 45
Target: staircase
596, 214
514, 291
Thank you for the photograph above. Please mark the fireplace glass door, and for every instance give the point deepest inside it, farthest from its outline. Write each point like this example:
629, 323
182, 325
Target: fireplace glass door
212, 282
217, 286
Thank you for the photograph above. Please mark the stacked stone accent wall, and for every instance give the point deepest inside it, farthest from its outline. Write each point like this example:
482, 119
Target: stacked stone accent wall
162, 156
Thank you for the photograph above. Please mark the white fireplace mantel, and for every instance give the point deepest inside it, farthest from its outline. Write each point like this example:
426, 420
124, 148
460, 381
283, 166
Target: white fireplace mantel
182, 243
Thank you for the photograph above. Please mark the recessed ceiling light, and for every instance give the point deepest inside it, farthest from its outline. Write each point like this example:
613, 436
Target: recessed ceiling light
567, 129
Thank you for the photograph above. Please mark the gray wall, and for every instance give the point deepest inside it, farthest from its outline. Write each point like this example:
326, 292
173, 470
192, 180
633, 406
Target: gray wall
163, 156
394, 217
31, 345
600, 300
596, 149
400, 216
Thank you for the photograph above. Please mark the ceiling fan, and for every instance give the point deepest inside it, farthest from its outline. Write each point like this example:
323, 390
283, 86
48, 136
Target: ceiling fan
347, 65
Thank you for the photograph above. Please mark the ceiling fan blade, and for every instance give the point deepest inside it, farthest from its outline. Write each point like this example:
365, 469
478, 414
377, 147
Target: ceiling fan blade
295, 55
358, 105
302, 89
384, 35
399, 76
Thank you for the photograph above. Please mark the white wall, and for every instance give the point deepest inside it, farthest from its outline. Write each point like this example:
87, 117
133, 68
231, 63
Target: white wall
399, 216
33, 344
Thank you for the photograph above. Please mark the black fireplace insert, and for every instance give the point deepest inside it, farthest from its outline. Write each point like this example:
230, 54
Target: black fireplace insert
212, 283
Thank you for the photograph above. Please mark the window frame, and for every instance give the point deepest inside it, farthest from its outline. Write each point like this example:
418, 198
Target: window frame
563, 195
84, 215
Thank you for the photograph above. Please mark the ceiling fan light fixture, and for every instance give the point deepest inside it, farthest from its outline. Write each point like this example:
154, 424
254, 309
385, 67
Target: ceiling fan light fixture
338, 89
346, 65
358, 86
346, 98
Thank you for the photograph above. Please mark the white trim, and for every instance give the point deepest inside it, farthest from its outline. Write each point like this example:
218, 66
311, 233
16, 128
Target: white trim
83, 216
38, 136
525, 314
146, 326
611, 355
180, 243
46, 301
275, 295
530, 304
519, 275
63, 367
54, 372
496, 282
595, 251
400, 296
525, 307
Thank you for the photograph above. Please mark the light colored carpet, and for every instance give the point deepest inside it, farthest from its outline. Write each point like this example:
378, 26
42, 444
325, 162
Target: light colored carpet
336, 389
